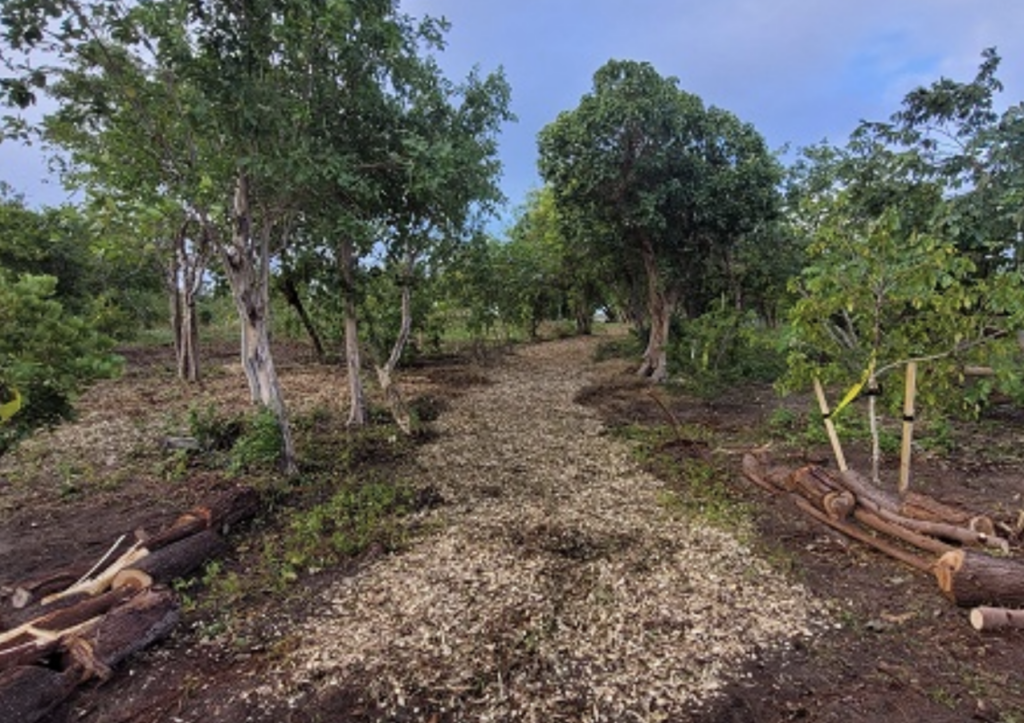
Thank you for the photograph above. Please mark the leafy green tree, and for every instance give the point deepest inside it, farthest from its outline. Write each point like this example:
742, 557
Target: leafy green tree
657, 181
570, 280
46, 354
910, 253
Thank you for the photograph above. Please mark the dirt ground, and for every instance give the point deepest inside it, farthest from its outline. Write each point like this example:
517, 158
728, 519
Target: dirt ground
546, 576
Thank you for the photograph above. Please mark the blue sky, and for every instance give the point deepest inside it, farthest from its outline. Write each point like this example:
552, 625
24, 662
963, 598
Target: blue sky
799, 70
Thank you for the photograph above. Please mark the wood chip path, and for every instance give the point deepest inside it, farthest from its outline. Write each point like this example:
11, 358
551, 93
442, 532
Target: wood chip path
555, 587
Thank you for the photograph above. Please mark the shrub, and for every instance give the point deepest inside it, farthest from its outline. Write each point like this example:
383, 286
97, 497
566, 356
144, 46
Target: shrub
46, 354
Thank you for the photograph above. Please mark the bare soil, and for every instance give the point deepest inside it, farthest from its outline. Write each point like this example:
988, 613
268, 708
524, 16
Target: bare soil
549, 572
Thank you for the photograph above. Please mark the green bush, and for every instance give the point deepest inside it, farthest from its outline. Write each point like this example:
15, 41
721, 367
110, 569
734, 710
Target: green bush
46, 354
725, 346
260, 445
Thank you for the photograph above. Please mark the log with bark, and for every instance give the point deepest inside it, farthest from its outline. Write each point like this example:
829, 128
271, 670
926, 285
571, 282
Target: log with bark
28, 591
221, 513
172, 561
146, 618
989, 618
972, 579
40, 637
29, 692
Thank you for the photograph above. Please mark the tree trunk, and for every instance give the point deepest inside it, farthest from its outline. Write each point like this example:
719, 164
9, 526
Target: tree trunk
971, 578
661, 305
246, 264
184, 278
357, 398
291, 295
386, 372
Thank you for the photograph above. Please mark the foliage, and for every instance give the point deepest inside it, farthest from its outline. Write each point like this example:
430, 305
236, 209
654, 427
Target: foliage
724, 346
900, 265
47, 355
259, 445
650, 179
357, 515
111, 291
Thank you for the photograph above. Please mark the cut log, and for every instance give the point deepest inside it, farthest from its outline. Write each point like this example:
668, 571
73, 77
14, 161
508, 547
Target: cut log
148, 617
96, 585
185, 526
812, 483
59, 620
39, 645
914, 506
839, 505
986, 618
923, 542
971, 579
29, 692
175, 560
28, 591
221, 513
229, 508
132, 579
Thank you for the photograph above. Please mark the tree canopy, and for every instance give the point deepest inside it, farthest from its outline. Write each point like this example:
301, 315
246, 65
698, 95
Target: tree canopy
649, 175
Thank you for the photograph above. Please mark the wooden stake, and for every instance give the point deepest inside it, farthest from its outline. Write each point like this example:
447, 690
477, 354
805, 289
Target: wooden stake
829, 426
908, 427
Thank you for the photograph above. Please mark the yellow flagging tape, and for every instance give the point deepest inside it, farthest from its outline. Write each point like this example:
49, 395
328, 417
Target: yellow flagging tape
855, 389
9, 408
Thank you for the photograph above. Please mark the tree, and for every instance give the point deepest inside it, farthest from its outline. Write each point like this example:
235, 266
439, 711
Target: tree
653, 177
911, 257
446, 183
46, 354
569, 280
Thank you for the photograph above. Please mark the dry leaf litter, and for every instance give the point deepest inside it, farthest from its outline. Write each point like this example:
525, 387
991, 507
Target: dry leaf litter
555, 587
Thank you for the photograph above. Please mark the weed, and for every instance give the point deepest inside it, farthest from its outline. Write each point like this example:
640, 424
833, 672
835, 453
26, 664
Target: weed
353, 518
624, 347
212, 430
259, 445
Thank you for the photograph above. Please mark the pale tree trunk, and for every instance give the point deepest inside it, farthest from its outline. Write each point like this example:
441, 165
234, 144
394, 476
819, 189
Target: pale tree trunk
247, 266
385, 373
357, 399
184, 277
661, 305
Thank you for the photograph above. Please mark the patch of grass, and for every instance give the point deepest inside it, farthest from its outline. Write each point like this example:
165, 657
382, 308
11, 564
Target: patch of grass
621, 347
701, 490
356, 516
697, 486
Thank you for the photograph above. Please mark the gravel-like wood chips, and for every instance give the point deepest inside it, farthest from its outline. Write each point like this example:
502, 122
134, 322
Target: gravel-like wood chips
554, 586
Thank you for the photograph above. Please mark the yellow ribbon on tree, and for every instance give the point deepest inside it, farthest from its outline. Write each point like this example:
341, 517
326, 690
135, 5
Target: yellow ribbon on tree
11, 406
856, 388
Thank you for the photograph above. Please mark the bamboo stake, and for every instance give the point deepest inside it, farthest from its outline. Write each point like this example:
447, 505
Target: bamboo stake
909, 394
829, 426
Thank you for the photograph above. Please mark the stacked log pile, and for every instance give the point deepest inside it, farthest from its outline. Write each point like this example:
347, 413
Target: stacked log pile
971, 562
69, 626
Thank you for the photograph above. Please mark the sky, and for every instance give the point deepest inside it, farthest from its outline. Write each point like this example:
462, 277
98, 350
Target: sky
801, 71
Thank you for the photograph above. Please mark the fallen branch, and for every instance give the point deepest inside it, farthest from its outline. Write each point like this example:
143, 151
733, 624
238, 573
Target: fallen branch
858, 534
